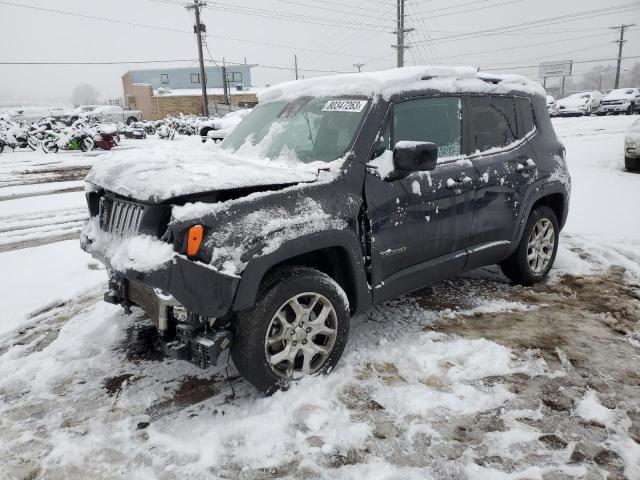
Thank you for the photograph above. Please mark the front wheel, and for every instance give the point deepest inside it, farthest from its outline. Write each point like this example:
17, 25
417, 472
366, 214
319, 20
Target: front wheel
632, 164
87, 144
33, 143
534, 257
299, 326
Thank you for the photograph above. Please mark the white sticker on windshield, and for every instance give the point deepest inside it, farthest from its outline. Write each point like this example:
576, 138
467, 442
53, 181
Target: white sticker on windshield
344, 106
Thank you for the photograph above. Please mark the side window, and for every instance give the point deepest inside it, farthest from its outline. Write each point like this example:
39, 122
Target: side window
436, 119
164, 78
492, 122
195, 78
526, 122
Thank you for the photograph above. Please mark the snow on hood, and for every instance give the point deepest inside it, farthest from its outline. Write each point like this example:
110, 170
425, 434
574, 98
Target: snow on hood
397, 80
573, 101
621, 94
162, 173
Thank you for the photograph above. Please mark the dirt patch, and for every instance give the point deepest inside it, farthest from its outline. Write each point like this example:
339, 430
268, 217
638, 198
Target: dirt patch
191, 390
114, 385
585, 328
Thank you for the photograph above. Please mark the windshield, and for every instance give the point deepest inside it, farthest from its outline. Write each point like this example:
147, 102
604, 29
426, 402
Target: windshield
304, 130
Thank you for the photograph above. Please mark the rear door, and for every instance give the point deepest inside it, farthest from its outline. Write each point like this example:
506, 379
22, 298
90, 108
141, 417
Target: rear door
420, 224
505, 163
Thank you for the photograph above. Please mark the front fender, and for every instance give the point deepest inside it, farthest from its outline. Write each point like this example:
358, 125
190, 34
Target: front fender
354, 269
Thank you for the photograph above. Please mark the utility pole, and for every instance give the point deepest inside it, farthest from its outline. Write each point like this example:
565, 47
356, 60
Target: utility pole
295, 64
401, 33
198, 29
359, 66
620, 43
225, 83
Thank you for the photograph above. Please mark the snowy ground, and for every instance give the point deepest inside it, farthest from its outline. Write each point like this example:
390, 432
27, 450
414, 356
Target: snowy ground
472, 378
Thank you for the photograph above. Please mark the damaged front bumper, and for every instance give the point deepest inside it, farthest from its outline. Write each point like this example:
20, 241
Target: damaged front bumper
189, 302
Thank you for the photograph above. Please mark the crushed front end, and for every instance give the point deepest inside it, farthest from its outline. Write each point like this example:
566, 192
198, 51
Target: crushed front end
189, 302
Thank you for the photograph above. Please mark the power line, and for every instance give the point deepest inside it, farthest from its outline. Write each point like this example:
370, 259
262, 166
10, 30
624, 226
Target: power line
542, 22
175, 30
482, 52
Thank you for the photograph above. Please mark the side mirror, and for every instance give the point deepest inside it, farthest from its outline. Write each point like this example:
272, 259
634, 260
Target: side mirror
413, 157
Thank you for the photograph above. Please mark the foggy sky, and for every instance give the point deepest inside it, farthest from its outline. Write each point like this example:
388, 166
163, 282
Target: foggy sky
29, 35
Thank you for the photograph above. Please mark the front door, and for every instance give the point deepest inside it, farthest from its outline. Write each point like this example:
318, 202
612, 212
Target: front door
419, 224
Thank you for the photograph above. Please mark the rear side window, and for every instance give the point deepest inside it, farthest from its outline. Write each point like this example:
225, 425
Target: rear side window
525, 116
436, 120
492, 122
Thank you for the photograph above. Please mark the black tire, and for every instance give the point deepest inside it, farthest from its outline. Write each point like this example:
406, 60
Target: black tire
248, 349
1, 147
517, 267
632, 164
86, 144
131, 120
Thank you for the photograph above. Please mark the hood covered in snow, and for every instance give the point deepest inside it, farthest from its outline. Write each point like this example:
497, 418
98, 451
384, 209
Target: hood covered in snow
621, 94
573, 101
162, 174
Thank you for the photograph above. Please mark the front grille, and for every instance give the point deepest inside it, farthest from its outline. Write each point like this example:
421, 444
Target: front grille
120, 217
612, 102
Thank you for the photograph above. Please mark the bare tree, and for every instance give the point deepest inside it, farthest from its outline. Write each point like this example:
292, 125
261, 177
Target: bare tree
632, 76
84, 94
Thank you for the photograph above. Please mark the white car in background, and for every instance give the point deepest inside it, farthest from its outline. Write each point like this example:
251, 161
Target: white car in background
551, 105
621, 100
217, 129
32, 114
632, 147
582, 103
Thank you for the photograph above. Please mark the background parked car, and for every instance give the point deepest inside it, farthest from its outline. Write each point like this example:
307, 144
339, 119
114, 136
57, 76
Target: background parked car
551, 105
622, 100
115, 113
217, 129
582, 103
632, 147
71, 116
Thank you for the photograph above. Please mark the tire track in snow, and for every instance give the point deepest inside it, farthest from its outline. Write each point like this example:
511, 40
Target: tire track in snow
40, 228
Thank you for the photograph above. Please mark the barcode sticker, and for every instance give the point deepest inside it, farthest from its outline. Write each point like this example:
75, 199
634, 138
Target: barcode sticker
344, 106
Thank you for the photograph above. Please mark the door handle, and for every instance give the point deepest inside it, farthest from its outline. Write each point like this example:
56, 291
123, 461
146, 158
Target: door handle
462, 183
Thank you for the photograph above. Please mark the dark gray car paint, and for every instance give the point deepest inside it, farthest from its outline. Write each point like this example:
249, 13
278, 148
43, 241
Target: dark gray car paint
473, 227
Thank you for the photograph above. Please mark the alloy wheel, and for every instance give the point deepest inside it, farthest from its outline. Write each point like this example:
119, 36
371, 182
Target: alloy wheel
301, 335
540, 246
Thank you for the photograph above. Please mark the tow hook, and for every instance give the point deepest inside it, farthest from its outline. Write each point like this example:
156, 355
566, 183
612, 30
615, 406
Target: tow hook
117, 293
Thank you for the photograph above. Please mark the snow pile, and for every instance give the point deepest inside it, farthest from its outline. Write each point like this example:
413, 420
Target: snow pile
590, 409
389, 82
162, 172
142, 253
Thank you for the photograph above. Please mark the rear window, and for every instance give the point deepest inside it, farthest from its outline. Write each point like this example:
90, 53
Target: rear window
526, 121
492, 122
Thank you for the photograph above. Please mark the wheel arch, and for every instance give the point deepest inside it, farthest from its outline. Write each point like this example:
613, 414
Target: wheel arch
338, 254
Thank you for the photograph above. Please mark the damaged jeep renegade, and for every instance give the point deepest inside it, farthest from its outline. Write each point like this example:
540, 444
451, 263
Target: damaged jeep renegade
332, 195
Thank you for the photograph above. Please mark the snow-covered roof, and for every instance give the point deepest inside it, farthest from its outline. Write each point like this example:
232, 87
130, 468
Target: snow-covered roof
188, 92
389, 82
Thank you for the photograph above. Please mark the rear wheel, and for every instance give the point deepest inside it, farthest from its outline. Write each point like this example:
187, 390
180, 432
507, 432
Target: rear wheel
50, 146
632, 164
299, 326
534, 257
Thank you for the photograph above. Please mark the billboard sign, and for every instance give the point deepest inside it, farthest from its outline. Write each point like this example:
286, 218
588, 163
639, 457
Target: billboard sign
555, 69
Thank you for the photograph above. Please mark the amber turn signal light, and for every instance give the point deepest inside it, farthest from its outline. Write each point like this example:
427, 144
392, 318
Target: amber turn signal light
194, 239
